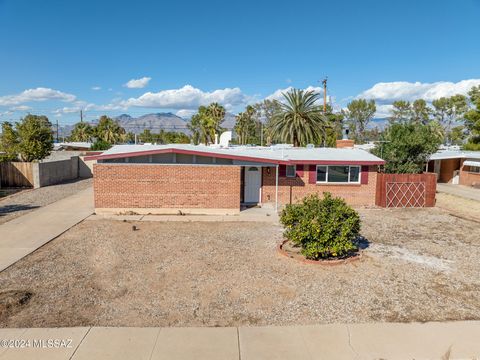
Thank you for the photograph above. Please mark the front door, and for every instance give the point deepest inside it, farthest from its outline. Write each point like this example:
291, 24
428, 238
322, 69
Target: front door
253, 180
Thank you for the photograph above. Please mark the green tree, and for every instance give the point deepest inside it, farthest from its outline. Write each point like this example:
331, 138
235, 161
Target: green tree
406, 147
82, 131
334, 130
450, 110
300, 120
420, 112
472, 116
458, 135
100, 145
147, 137
245, 126
358, 114
9, 143
401, 112
266, 112
35, 137
206, 123
109, 130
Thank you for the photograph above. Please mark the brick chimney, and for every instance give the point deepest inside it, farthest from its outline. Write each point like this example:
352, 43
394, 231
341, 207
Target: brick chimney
345, 142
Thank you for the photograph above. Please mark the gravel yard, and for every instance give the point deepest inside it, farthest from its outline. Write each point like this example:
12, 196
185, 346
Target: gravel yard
24, 201
421, 265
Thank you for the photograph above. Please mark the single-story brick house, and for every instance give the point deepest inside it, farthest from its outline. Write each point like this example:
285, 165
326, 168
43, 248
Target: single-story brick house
456, 167
162, 179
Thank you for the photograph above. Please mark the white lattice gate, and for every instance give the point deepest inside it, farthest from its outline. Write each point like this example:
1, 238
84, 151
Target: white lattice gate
405, 194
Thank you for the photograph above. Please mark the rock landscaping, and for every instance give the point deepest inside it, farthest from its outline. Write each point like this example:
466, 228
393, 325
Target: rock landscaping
419, 265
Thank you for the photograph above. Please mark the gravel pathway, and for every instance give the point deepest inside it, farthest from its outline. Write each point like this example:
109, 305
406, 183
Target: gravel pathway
27, 200
422, 265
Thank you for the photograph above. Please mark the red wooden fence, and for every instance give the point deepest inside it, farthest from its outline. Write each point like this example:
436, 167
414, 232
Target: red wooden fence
406, 190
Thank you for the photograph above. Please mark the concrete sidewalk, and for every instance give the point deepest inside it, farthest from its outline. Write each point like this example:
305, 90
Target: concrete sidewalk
23, 235
451, 340
249, 215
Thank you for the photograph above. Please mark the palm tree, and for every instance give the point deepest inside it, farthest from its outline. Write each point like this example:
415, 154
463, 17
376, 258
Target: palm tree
109, 130
206, 123
245, 125
300, 121
81, 132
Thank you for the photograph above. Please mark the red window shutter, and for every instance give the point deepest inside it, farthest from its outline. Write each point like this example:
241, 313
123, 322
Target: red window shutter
282, 170
300, 170
312, 174
364, 179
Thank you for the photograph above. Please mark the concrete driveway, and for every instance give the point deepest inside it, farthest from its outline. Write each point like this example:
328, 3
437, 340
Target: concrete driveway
23, 235
466, 192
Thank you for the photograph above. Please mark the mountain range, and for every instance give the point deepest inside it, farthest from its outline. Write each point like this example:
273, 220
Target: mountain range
153, 122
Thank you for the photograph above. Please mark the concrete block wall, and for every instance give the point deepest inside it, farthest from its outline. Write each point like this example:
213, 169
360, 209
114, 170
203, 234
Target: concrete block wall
158, 188
54, 172
292, 190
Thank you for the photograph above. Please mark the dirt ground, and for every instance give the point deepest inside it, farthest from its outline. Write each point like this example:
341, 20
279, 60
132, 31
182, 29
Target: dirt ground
421, 265
466, 208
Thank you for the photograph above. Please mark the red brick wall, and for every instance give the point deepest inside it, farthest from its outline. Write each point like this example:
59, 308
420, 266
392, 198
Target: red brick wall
469, 178
291, 190
166, 186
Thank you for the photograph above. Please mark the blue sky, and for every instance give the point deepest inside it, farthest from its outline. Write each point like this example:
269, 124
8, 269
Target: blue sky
57, 57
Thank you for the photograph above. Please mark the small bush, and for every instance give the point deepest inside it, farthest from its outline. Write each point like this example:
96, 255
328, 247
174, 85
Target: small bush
100, 145
324, 228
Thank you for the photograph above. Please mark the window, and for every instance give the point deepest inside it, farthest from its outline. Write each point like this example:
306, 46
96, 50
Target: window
291, 171
338, 174
474, 169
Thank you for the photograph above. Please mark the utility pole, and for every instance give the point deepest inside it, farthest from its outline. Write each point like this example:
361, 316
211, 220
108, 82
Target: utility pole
324, 82
57, 130
81, 115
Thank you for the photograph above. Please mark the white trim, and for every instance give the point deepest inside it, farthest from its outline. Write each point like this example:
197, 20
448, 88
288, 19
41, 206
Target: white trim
358, 182
276, 187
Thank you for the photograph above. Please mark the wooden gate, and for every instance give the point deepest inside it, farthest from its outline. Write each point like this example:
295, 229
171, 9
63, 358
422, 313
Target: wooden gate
406, 190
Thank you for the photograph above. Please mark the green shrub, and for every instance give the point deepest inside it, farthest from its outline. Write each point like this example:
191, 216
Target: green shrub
324, 228
100, 145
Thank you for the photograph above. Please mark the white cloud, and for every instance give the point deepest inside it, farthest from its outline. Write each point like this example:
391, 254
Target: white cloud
383, 111
188, 98
38, 94
387, 92
96, 88
67, 110
278, 94
138, 83
21, 108
185, 113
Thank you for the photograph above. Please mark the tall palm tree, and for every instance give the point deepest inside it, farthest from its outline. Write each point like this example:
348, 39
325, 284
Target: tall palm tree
245, 125
300, 120
109, 130
82, 132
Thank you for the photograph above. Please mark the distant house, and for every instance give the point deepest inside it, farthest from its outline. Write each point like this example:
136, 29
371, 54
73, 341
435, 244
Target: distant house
456, 167
72, 146
204, 179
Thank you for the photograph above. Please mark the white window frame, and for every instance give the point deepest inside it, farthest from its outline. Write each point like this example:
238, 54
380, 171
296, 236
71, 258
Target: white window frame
339, 183
294, 171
